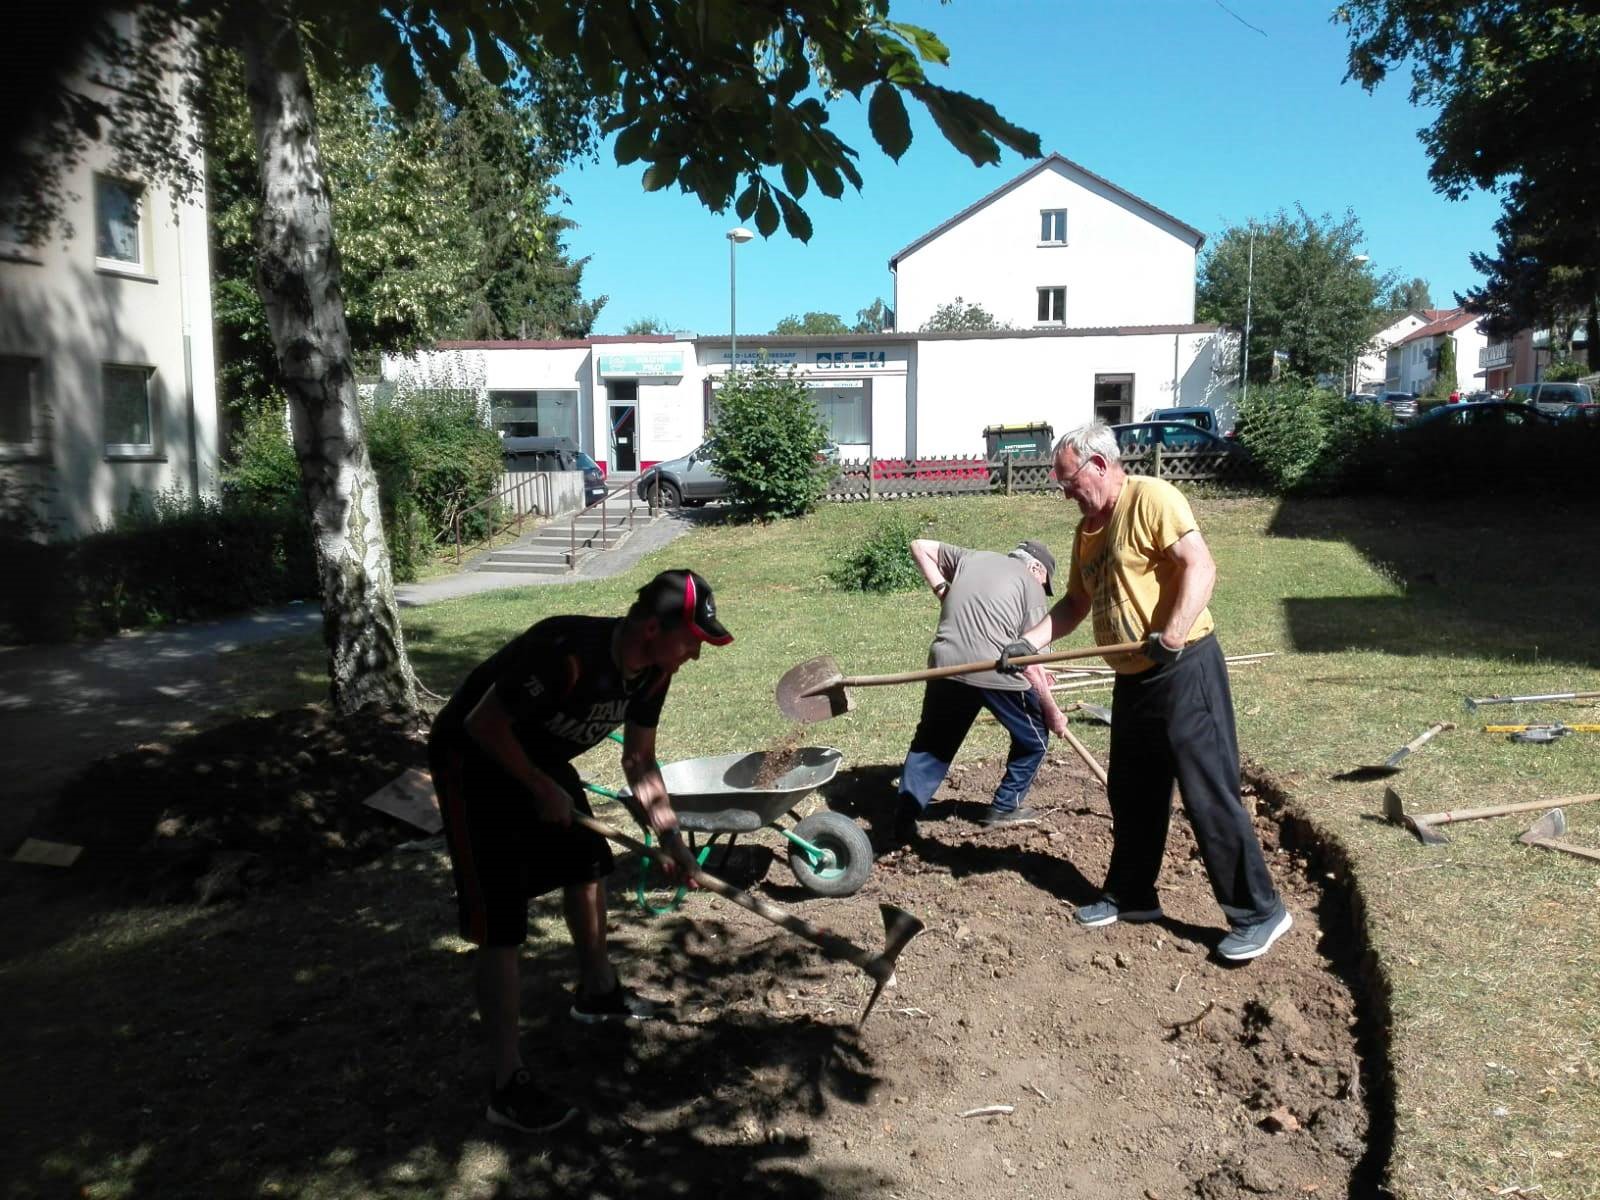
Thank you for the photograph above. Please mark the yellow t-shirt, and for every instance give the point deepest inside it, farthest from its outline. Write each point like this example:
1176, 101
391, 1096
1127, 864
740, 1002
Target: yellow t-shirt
1124, 570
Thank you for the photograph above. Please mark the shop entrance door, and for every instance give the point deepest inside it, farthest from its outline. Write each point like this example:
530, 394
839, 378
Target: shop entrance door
624, 425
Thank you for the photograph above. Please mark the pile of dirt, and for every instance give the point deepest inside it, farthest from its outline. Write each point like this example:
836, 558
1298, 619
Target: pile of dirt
777, 762
236, 808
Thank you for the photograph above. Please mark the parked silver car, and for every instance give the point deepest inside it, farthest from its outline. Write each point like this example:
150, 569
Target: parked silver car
690, 480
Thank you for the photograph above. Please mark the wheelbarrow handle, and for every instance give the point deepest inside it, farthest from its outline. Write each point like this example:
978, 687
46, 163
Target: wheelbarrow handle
990, 664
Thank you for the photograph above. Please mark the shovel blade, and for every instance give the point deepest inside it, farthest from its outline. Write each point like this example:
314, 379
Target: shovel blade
1552, 825
813, 691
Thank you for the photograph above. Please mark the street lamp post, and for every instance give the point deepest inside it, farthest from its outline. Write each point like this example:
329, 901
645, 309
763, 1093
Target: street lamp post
1358, 260
1249, 292
736, 235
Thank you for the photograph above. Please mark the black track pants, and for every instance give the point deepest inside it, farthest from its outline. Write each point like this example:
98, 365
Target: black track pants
1169, 723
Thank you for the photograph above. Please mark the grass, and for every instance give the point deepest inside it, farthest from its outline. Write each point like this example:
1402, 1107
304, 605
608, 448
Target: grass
1382, 620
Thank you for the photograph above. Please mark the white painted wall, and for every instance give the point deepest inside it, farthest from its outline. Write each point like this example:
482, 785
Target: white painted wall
60, 307
1372, 367
961, 385
1121, 265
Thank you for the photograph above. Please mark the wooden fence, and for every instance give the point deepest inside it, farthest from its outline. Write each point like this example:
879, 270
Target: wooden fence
900, 478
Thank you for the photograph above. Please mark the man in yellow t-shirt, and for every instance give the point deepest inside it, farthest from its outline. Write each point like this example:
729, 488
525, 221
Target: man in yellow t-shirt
1142, 571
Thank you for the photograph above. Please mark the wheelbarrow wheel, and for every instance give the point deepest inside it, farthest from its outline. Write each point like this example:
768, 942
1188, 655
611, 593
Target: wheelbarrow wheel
852, 855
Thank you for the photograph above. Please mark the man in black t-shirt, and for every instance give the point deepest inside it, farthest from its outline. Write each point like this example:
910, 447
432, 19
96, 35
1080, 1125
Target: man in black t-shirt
501, 752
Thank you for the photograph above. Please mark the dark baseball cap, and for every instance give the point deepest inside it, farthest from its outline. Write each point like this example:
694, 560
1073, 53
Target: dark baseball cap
1047, 560
683, 597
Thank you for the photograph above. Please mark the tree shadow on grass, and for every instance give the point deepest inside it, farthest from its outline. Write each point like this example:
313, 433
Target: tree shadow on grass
324, 1044
1480, 578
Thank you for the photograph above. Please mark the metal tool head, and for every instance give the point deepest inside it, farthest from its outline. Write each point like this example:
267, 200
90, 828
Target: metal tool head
899, 927
1540, 735
1470, 704
1394, 811
1552, 825
813, 691
1095, 712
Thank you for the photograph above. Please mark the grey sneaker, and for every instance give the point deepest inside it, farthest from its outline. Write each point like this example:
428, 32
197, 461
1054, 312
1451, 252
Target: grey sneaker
1252, 941
1107, 912
619, 1004
1010, 818
522, 1106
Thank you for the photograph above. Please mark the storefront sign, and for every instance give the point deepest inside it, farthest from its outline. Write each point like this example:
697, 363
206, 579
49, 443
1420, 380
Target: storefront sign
640, 362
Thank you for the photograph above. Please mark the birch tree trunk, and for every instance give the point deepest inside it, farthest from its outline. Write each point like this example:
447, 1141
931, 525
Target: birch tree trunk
299, 282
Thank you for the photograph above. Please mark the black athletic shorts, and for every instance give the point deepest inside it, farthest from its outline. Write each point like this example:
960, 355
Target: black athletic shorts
500, 853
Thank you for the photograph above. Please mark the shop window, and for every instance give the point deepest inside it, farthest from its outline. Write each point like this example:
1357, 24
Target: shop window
129, 411
846, 413
19, 407
121, 225
1052, 306
536, 412
1052, 227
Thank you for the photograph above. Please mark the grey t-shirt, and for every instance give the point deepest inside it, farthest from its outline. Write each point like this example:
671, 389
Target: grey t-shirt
992, 601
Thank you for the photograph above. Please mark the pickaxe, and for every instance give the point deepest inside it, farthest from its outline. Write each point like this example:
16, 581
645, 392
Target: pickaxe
1422, 824
899, 926
1547, 831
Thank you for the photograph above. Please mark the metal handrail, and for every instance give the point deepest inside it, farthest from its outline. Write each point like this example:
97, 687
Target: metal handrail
526, 481
605, 523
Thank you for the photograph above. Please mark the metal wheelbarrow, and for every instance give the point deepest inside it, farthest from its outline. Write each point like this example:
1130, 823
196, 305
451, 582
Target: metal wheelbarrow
717, 798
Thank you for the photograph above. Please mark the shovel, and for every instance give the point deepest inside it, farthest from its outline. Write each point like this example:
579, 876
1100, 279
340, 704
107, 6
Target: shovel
815, 690
1391, 765
899, 926
1547, 831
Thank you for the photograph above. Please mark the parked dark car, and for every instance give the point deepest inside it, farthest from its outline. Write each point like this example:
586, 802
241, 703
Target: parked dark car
1139, 436
1589, 413
1197, 414
1486, 414
1402, 406
555, 454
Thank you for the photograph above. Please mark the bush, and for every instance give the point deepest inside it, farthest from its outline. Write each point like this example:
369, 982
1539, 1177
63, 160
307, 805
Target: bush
882, 562
767, 441
431, 452
1565, 370
1304, 439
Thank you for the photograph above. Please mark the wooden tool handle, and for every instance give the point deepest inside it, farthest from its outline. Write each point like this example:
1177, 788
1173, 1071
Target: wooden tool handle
1089, 759
1427, 735
1026, 660
1565, 848
832, 944
1503, 810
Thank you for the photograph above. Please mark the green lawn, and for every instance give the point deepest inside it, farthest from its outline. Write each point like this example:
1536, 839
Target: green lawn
1382, 617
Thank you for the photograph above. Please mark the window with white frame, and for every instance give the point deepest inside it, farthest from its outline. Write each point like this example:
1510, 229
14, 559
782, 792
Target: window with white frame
121, 220
1052, 306
1052, 227
129, 411
19, 411
845, 408
535, 412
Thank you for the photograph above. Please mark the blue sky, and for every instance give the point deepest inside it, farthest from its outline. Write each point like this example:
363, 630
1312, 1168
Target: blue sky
1178, 101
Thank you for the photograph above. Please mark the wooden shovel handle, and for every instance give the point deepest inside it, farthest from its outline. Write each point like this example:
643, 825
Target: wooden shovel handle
1427, 735
1450, 817
1026, 660
1089, 759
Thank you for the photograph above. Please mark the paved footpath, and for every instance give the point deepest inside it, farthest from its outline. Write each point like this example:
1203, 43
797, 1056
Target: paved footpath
63, 706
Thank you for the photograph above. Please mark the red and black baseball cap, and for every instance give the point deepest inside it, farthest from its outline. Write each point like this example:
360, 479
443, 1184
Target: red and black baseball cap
684, 598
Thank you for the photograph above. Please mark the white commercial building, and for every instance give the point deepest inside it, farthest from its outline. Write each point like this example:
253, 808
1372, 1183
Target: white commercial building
1096, 286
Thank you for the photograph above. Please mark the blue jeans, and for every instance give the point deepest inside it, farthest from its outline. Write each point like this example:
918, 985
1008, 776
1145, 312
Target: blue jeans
948, 710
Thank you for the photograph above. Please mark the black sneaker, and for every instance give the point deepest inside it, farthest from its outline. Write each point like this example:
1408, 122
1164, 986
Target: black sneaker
1009, 818
619, 1004
522, 1106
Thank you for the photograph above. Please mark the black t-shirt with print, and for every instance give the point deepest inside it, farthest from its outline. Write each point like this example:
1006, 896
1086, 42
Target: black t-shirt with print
563, 688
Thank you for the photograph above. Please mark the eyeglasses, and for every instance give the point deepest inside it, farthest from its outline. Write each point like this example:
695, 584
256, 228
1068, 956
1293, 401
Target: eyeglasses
1064, 484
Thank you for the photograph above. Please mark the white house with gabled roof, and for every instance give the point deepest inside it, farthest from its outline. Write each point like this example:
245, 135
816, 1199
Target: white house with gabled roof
1056, 247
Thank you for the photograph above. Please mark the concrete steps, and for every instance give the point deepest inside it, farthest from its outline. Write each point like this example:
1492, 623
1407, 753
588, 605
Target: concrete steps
549, 550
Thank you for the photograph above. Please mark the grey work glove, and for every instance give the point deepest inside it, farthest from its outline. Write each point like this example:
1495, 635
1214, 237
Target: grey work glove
1017, 649
1158, 651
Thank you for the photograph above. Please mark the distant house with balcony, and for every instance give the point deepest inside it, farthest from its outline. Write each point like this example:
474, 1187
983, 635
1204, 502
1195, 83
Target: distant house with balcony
1371, 368
1414, 361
